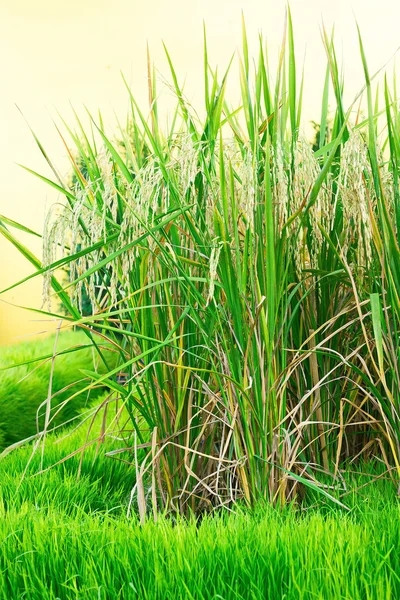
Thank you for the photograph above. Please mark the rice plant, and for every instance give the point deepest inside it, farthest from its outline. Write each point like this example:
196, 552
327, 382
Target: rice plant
247, 283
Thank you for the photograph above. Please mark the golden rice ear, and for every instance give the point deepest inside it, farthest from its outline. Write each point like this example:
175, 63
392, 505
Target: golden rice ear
357, 195
214, 259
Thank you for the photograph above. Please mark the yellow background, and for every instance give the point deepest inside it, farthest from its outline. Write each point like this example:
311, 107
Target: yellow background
54, 52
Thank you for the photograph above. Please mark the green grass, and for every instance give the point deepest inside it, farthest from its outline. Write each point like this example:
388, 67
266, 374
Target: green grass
47, 557
84, 482
69, 539
67, 536
25, 371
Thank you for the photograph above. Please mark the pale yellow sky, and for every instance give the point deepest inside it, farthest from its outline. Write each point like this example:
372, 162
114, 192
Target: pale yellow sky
54, 52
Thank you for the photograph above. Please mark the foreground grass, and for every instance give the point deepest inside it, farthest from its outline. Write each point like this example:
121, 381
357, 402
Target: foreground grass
272, 555
69, 538
47, 556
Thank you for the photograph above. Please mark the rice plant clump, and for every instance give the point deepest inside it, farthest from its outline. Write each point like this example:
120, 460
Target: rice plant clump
247, 283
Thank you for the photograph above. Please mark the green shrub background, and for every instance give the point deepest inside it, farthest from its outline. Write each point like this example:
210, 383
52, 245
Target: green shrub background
23, 388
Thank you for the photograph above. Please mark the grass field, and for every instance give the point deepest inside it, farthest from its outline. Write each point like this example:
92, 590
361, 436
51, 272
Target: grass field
67, 536
69, 539
41, 371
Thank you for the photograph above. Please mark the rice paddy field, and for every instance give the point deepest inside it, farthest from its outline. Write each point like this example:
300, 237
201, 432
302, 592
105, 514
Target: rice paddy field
217, 415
